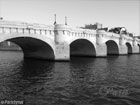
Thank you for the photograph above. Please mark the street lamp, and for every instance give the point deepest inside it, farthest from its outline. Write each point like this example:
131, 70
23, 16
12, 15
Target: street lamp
55, 19
65, 20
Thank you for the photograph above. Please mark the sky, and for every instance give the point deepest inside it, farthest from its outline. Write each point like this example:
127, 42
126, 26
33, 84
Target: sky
110, 13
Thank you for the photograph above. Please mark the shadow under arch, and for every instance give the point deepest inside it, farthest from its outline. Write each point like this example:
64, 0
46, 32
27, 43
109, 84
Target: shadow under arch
34, 68
129, 48
34, 48
82, 47
112, 48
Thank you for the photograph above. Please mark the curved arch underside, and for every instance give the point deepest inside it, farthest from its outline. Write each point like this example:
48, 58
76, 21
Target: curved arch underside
112, 48
82, 47
129, 48
34, 48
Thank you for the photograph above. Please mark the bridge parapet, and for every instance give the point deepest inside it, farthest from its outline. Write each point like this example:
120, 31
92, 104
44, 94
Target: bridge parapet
7, 24
83, 32
8, 27
128, 38
73, 32
14, 24
108, 34
137, 39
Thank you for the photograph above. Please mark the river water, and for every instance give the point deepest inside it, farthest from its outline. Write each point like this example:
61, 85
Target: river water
113, 80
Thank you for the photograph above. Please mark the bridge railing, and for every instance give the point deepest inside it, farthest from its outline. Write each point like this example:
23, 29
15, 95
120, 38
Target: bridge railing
137, 39
15, 24
108, 34
8, 27
128, 37
113, 35
77, 32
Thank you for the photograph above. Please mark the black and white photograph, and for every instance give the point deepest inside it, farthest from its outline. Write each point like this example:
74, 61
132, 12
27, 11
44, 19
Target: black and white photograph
69, 52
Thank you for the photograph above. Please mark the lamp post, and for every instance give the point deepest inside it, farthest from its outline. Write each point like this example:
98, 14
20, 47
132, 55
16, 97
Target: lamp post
1, 18
65, 20
55, 19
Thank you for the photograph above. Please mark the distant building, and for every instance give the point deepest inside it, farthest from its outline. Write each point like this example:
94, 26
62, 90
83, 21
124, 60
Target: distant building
92, 26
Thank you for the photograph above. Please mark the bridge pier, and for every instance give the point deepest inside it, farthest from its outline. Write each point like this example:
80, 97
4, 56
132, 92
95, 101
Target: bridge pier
62, 48
62, 52
101, 50
123, 49
135, 49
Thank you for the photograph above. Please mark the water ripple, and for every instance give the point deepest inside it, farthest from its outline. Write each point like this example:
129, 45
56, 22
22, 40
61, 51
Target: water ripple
82, 81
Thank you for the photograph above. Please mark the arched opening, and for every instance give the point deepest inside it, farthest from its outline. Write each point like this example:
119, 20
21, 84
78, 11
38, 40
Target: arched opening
112, 48
82, 47
34, 48
10, 46
129, 48
139, 47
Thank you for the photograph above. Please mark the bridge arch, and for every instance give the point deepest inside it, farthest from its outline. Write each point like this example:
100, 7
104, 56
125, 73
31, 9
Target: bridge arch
129, 48
82, 47
33, 47
112, 47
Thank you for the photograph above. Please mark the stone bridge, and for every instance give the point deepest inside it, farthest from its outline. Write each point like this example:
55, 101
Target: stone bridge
59, 42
